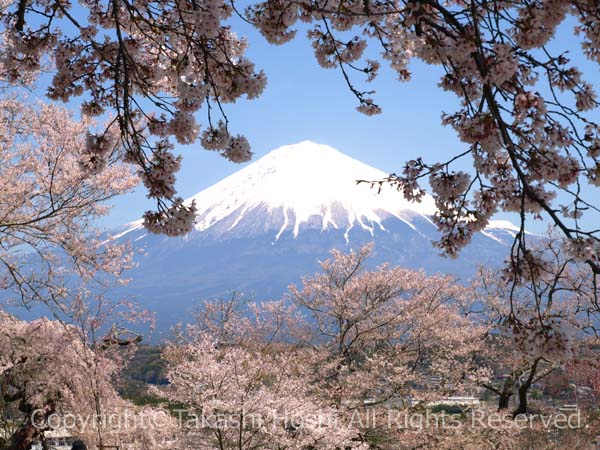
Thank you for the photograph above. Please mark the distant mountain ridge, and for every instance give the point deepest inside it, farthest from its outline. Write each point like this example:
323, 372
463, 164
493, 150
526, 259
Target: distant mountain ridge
266, 225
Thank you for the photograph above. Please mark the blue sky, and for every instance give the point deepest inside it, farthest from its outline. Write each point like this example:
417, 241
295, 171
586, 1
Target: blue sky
303, 101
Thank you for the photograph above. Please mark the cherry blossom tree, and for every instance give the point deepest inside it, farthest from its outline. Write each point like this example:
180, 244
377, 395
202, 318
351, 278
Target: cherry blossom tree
44, 369
516, 373
245, 387
387, 337
58, 377
539, 326
387, 329
51, 251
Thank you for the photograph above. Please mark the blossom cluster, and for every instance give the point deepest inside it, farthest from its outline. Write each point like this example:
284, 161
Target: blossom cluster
57, 177
153, 64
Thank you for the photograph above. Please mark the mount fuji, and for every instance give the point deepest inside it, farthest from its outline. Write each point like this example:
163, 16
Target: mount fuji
268, 224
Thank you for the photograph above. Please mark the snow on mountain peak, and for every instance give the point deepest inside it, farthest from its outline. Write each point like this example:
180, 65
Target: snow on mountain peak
306, 185
306, 182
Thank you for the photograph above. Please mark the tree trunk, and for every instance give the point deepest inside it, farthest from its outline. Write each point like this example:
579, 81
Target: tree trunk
504, 400
522, 408
524, 388
507, 392
23, 439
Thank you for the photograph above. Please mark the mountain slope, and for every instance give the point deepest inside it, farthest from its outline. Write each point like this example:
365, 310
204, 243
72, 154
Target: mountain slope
263, 227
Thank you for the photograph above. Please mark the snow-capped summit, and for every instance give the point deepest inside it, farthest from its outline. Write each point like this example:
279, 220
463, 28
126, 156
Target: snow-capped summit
304, 184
